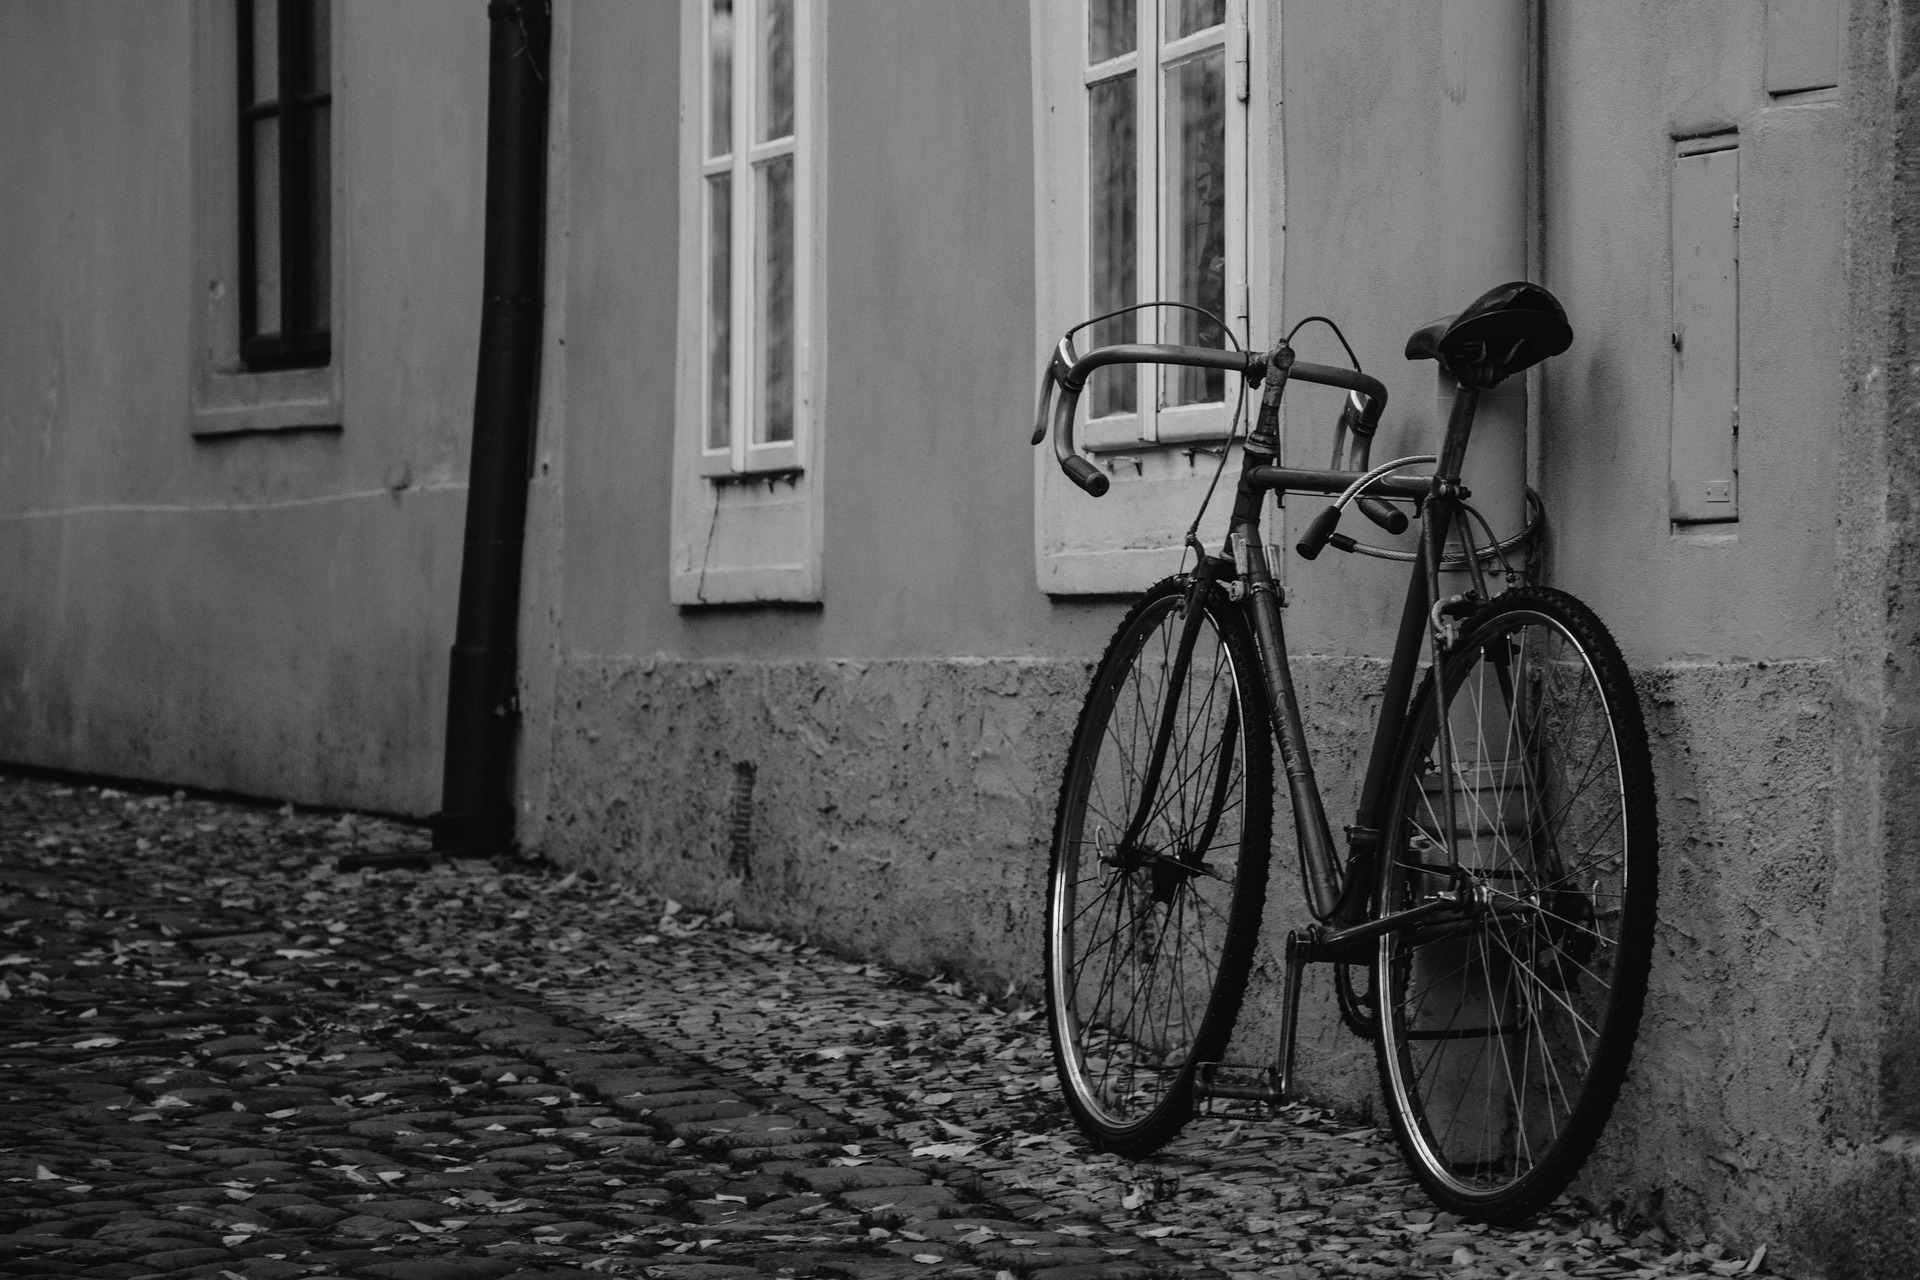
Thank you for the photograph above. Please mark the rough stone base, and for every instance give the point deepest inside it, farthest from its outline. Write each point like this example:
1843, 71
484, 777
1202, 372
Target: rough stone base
1867, 1223
901, 810
897, 809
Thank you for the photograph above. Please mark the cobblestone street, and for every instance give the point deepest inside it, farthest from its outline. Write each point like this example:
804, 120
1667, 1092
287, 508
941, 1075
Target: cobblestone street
223, 1057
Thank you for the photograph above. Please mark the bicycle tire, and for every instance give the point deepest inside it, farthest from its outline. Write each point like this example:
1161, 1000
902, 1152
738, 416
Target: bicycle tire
1148, 950
1504, 1038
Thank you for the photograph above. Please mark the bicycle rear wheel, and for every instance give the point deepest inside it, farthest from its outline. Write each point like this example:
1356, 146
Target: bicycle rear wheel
1505, 1036
1149, 942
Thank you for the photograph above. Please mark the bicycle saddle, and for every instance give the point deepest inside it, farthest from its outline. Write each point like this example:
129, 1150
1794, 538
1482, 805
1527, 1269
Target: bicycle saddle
1504, 331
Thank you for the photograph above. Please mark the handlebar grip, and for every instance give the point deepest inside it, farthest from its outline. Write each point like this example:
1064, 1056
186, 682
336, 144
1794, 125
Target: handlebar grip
1390, 518
1314, 540
1085, 474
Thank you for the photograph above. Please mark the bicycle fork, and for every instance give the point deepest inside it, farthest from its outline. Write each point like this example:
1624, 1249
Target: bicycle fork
1311, 831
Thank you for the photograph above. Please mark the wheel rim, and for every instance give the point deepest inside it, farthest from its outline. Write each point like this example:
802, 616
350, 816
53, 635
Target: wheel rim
1493, 1027
1137, 934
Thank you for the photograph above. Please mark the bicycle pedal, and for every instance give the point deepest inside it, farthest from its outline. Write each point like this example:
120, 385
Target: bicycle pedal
1232, 1082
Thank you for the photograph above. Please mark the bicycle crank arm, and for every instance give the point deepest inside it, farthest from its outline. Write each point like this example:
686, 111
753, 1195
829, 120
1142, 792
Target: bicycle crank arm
1352, 945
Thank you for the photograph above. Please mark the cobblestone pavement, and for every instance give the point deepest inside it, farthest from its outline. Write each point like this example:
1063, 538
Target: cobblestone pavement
223, 1058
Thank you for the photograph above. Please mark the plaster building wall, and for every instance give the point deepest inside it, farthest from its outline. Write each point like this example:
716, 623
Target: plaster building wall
1751, 1057
265, 612
271, 612
906, 733
1751, 1061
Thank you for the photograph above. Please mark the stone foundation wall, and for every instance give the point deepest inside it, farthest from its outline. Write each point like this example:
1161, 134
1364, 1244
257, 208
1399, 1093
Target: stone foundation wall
900, 810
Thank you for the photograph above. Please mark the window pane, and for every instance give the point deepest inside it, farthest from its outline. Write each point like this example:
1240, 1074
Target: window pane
1112, 251
719, 310
773, 309
1184, 17
266, 49
320, 251
776, 69
266, 225
1196, 215
720, 78
1112, 29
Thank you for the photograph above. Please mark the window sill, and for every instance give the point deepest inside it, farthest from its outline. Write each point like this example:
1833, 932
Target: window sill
228, 403
763, 462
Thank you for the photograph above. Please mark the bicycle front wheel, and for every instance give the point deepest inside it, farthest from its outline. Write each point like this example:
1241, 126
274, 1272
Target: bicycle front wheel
1150, 939
1505, 1032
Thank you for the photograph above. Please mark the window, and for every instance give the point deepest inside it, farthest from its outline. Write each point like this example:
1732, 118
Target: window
285, 96
752, 321
270, 265
1166, 64
1151, 168
746, 501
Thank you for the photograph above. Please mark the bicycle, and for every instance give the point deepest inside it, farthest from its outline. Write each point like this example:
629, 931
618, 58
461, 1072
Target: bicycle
1498, 890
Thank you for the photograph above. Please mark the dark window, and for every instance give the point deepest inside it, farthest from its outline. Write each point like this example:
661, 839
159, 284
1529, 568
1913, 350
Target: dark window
286, 159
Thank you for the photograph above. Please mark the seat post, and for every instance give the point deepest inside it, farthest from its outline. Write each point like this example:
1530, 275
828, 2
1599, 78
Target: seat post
1460, 416
1497, 470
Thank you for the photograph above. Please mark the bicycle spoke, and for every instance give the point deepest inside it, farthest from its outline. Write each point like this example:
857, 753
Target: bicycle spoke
1141, 919
1494, 1029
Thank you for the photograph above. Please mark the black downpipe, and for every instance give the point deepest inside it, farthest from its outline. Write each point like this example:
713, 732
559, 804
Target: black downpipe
476, 803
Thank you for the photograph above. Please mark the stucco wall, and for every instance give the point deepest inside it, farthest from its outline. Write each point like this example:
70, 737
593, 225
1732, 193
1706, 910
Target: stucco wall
924, 389
264, 613
903, 787
1622, 82
897, 805
901, 810
272, 613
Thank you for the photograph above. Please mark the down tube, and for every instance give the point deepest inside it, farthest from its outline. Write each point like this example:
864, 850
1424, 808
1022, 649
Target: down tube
1309, 816
1397, 694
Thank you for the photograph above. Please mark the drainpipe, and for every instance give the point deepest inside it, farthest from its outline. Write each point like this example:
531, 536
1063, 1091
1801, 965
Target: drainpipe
476, 808
1483, 150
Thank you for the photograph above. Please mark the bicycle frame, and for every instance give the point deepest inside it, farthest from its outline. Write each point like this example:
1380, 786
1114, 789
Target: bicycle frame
1339, 900
1498, 882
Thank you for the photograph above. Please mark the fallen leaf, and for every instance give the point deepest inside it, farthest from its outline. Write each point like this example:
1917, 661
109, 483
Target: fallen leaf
947, 1150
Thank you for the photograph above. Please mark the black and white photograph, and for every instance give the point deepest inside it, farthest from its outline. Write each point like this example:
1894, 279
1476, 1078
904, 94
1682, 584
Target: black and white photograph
959, 639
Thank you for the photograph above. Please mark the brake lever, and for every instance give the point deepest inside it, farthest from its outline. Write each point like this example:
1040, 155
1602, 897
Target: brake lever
1061, 361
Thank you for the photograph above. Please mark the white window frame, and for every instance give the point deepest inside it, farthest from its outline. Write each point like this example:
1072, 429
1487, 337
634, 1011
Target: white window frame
227, 397
1156, 455
746, 524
